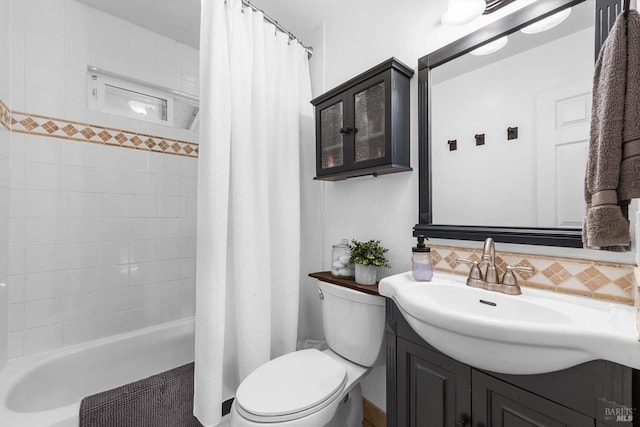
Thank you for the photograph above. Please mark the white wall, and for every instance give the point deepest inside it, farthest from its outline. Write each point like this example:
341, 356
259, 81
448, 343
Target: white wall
102, 238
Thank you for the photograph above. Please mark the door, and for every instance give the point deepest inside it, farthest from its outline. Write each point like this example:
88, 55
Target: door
371, 102
563, 124
331, 134
433, 389
497, 403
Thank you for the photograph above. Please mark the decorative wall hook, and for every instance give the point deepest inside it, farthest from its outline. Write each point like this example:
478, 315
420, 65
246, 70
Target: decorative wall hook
479, 139
512, 133
453, 144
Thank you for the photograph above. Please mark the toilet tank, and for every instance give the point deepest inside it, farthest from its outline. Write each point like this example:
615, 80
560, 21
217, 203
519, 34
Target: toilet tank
353, 322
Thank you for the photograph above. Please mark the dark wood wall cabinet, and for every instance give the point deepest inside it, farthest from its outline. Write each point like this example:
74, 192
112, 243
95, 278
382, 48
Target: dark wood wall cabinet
362, 126
426, 388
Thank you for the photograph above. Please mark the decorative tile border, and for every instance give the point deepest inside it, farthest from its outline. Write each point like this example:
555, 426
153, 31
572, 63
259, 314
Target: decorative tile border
5, 116
636, 295
600, 280
35, 124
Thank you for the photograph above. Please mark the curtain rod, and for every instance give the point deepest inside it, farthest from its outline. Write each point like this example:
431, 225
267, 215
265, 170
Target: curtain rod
269, 19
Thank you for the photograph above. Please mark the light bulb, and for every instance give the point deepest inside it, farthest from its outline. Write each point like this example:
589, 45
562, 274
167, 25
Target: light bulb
547, 23
492, 47
463, 11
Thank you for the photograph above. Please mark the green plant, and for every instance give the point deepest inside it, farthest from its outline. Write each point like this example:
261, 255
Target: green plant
368, 253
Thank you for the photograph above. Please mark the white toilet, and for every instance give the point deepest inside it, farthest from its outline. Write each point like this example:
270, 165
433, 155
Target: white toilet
310, 388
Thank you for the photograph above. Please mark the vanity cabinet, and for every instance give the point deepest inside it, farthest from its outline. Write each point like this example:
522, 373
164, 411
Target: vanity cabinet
362, 126
426, 388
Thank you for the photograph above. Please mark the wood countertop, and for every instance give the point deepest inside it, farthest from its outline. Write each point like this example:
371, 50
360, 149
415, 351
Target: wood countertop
326, 276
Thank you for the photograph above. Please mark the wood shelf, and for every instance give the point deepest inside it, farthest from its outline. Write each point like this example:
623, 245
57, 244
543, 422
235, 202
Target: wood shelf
326, 276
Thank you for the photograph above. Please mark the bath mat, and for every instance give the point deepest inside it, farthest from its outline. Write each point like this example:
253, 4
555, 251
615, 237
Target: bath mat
163, 400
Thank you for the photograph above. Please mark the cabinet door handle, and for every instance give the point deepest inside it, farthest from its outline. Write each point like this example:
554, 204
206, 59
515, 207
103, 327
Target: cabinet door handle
346, 130
461, 423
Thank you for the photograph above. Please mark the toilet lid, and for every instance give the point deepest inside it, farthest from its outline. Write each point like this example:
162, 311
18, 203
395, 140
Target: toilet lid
290, 385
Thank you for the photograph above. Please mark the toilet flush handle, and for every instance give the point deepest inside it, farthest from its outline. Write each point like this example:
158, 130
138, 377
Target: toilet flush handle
320, 294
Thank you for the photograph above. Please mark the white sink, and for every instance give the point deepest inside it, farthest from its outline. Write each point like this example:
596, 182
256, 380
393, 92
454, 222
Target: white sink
536, 332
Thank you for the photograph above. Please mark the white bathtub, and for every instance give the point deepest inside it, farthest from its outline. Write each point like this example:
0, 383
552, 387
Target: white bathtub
46, 389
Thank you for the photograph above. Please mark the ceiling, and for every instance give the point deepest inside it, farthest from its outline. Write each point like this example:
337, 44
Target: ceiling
180, 19
177, 19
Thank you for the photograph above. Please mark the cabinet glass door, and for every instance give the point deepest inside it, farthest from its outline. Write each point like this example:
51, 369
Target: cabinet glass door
369, 107
331, 141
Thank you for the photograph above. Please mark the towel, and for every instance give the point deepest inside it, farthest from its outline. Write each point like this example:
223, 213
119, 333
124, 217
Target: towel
613, 167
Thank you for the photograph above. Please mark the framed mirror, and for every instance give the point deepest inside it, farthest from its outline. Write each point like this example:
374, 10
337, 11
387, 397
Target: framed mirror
503, 136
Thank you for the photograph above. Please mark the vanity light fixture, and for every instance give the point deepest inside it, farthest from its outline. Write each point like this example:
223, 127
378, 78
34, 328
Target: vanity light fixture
547, 23
461, 12
492, 47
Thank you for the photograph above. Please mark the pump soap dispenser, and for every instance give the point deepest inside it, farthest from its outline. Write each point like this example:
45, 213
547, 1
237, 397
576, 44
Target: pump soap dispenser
421, 267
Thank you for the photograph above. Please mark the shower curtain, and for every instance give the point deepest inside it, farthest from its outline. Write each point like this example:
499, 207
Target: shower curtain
255, 113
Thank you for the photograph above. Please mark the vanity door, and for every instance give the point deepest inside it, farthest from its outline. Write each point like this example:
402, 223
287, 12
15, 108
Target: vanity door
433, 389
497, 403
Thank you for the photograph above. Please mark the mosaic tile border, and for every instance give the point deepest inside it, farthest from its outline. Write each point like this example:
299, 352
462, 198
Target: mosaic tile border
594, 279
636, 297
5, 116
35, 124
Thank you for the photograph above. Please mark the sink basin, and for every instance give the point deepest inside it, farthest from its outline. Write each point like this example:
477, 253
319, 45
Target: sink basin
536, 332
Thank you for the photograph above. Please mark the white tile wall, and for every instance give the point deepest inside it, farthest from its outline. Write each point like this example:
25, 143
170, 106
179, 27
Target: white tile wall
96, 255
101, 239
5, 93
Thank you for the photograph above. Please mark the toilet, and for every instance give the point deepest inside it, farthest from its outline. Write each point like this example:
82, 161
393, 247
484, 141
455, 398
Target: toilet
312, 388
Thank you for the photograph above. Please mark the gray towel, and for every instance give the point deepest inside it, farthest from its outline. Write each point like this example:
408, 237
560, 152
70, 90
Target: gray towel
613, 167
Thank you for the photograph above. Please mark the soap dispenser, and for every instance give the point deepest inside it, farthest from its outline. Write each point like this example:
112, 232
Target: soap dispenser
421, 267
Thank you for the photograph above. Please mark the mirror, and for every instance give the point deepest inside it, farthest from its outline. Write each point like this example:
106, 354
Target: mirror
503, 136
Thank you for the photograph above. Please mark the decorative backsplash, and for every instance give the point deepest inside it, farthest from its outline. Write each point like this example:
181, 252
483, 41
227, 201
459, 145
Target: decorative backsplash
636, 297
34, 124
5, 115
601, 280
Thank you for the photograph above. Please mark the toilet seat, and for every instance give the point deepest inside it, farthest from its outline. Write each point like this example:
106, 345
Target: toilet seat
290, 387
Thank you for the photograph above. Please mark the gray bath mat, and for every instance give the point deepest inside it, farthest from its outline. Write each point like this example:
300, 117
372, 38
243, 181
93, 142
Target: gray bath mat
163, 400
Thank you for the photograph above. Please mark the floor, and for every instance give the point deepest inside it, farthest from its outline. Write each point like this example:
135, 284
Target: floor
373, 417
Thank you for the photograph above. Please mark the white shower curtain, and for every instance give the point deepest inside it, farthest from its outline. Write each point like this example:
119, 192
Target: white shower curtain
255, 113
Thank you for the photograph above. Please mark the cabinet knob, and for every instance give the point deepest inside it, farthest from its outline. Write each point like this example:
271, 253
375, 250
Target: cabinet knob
463, 421
346, 130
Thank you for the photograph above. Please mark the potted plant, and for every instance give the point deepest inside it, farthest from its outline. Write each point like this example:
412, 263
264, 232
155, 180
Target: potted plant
368, 257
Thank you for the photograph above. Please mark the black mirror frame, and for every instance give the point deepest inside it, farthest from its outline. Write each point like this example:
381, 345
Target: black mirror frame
569, 237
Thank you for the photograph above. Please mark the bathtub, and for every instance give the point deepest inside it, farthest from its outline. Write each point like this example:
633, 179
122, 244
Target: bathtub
46, 389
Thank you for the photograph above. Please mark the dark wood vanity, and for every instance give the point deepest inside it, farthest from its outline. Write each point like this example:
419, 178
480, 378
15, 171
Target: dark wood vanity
427, 388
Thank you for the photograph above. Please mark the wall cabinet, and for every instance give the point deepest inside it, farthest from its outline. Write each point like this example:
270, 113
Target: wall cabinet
362, 126
426, 388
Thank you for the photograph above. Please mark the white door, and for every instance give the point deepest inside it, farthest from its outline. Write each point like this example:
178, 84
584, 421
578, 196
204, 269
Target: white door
563, 121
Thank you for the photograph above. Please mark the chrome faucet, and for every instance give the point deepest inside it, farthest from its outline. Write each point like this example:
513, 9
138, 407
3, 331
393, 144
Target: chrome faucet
489, 278
489, 258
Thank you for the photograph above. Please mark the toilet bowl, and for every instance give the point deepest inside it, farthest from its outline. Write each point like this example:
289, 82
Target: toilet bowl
310, 388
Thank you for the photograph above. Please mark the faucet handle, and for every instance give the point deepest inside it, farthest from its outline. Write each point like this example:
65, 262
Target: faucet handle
475, 272
509, 278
